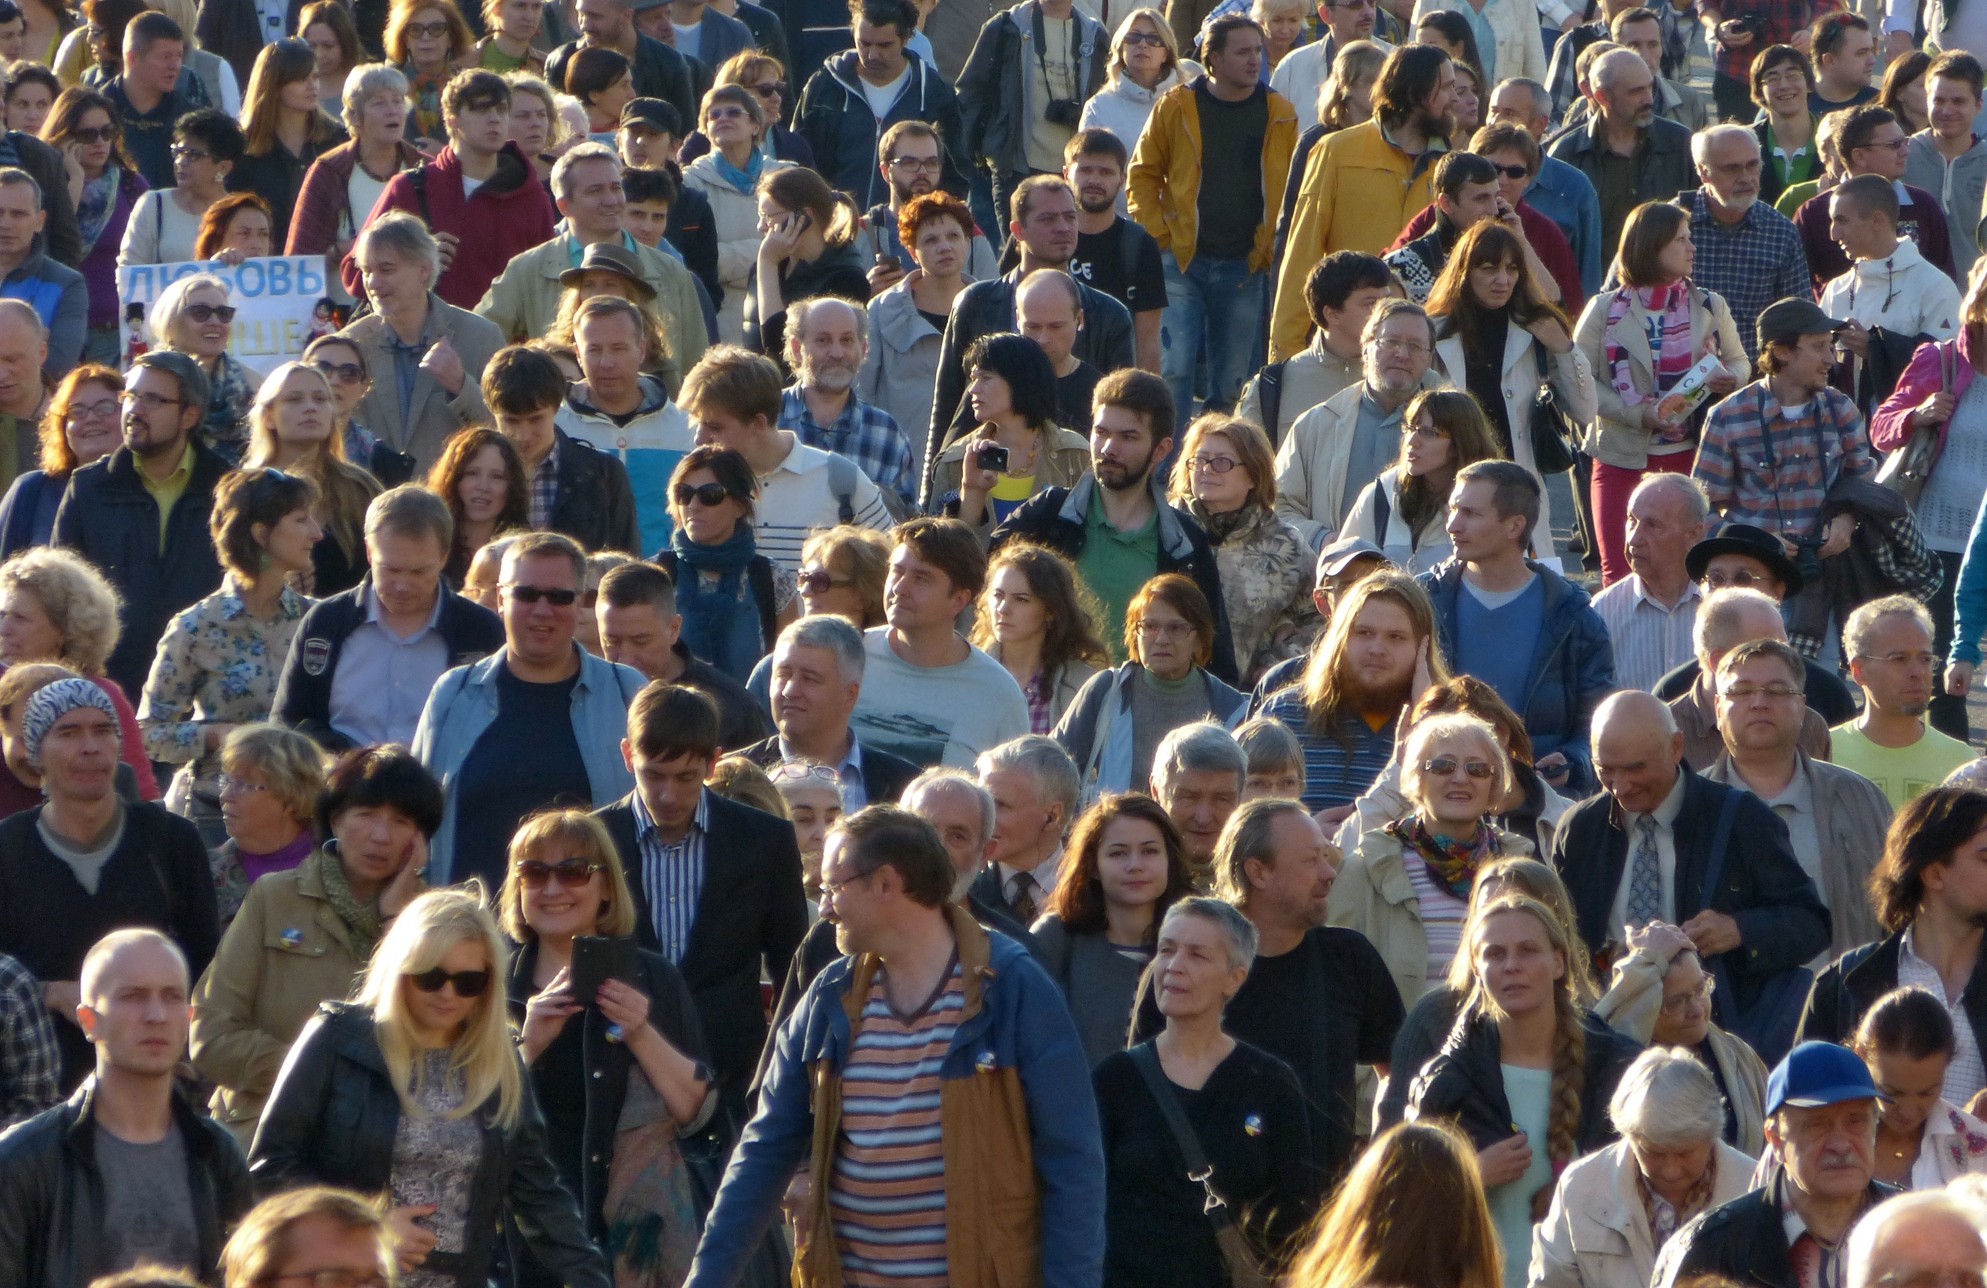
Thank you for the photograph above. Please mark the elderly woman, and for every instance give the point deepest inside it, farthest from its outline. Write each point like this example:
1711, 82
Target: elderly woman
1117, 720
304, 936
342, 185
1226, 478
728, 174
79, 426
1612, 1212
165, 223
1039, 622
399, 261
270, 780
1923, 1139
842, 572
218, 662
1241, 1105
193, 317
55, 607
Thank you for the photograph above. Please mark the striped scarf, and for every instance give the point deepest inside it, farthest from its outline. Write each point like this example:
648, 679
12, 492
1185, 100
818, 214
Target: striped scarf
1666, 321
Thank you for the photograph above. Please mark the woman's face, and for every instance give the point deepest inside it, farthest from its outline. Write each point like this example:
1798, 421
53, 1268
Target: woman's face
303, 95
95, 123
208, 339
27, 633
1145, 51
1220, 481
709, 524
531, 123
323, 42
827, 589
441, 1015
480, 583
304, 411
1167, 643
814, 807
521, 19
1515, 960
991, 396
1913, 1087
1018, 614
1679, 256
1427, 448
248, 232
250, 809
1450, 794
554, 909
1468, 102
607, 104
1672, 1169
291, 541
28, 107
427, 38
1194, 972
730, 126
13, 39
384, 116
1492, 285
342, 366
1284, 784
1131, 863
373, 842
767, 90
1911, 97
484, 486
91, 425
1285, 25
1360, 95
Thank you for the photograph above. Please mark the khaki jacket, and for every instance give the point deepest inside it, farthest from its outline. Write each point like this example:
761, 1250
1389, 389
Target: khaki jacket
285, 953
524, 300
434, 416
1617, 436
1312, 490
1164, 183
1061, 461
1597, 1233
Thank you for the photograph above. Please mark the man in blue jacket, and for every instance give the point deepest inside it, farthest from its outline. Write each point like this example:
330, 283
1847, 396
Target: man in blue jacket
1517, 625
858, 94
936, 1076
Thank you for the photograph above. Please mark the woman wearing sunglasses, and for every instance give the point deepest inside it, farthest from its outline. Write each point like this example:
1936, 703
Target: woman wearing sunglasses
294, 428
303, 936
1145, 63
617, 1074
339, 360
79, 426
104, 185
735, 122
193, 317
766, 78
734, 601
415, 1090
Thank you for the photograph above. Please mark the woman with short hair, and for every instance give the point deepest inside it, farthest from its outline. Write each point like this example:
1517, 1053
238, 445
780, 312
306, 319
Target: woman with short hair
193, 316
294, 421
907, 321
104, 187
270, 781
1011, 392
1405, 511
30, 93
1145, 63
734, 120
165, 223
287, 129
762, 74
1038, 620
345, 182
603, 80
81, 424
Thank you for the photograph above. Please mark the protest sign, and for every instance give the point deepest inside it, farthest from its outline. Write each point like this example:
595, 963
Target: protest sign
280, 305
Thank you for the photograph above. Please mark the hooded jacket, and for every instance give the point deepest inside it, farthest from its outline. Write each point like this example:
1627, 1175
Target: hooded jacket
1097, 730
1000, 90
648, 447
1958, 184
835, 117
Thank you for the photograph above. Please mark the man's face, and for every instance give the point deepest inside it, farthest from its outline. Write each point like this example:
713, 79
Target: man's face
79, 755
1895, 666
1952, 105
1631, 99
1731, 170
849, 901
594, 200
610, 348
1637, 765
956, 817
1926, 1248
530, 431
1472, 204
140, 1017
1514, 174
407, 570
646, 222
1199, 802
1883, 153
1024, 824
1829, 1151
21, 217
1048, 317
1760, 707
1048, 230
156, 420
1122, 450
1398, 355
1295, 888
1686, 1012
1381, 649
831, 348
603, 22
1476, 529
913, 167
644, 145
313, 1245
22, 351
1853, 62
1514, 105
722, 429
1097, 178
480, 129
1661, 530
918, 595
13, 36
879, 52
389, 278
1437, 110
1808, 362
1239, 65
157, 68
1350, 319
1646, 39
670, 788
536, 630
1742, 570
638, 635
809, 694
1855, 230
1349, 19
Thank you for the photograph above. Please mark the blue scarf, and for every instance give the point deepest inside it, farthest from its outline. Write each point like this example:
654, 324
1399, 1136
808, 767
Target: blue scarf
743, 180
720, 621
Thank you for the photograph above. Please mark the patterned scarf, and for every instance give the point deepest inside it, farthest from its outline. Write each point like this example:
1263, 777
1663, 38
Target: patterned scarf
1452, 864
99, 199
226, 425
362, 919
1666, 321
1666, 1218
649, 1205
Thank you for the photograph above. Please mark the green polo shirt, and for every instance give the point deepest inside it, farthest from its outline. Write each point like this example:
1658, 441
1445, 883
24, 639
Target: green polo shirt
169, 490
1114, 565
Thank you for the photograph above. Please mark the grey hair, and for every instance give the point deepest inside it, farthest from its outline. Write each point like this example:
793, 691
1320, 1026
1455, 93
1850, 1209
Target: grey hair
171, 304
1961, 1206
836, 634
362, 83
1200, 747
1045, 762
1391, 308
588, 151
23, 312
1237, 929
1685, 486
1702, 141
1718, 613
15, 177
1454, 724
1668, 1099
1541, 96
1862, 623
943, 779
799, 312
405, 235
1601, 77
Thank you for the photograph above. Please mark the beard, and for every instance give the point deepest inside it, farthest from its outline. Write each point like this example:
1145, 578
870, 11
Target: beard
1374, 699
834, 378
917, 187
1435, 127
1090, 207
1122, 478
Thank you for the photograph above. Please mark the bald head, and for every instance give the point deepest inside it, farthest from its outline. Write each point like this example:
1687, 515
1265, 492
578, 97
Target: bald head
1730, 617
1049, 310
23, 350
1928, 1235
1636, 750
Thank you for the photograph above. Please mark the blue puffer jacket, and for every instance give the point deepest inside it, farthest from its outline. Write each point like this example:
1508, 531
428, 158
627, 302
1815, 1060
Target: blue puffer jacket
835, 118
1572, 668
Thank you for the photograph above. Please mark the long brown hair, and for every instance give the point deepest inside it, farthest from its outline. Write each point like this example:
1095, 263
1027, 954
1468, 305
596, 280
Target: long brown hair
284, 63
1457, 311
1929, 830
1078, 901
1327, 697
1569, 1041
445, 476
1471, 439
1070, 628
66, 117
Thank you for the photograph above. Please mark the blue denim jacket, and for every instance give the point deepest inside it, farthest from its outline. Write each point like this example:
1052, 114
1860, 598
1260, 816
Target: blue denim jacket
464, 704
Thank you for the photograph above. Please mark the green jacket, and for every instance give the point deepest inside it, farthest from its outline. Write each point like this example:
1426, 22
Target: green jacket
524, 300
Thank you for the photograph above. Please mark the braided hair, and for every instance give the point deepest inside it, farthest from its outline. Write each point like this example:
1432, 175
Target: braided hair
1569, 1047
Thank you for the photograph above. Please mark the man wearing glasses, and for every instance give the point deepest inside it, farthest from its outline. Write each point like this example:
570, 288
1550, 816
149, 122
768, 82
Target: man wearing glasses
315, 1237
861, 94
1889, 642
1303, 71
1871, 141
913, 161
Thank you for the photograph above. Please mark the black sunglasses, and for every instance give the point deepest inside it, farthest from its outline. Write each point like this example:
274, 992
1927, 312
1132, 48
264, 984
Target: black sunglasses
205, 313
570, 873
532, 594
820, 583
468, 983
96, 134
705, 494
344, 373
1512, 171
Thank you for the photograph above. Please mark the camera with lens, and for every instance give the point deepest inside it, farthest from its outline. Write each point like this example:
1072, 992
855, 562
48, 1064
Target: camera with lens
1066, 112
1807, 558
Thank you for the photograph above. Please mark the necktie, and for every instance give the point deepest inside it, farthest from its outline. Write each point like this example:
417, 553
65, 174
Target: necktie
1645, 876
1021, 894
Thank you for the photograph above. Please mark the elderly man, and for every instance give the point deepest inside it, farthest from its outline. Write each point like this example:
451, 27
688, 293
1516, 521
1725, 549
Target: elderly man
1650, 612
818, 666
1629, 153
1821, 1120
313, 1231
1340, 293
1835, 817
1889, 643
1916, 1239
827, 341
1036, 789
1334, 448
1727, 619
1662, 843
1558, 191
1632, 27
1197, 775
1747, 252
23, 396
1613, 1211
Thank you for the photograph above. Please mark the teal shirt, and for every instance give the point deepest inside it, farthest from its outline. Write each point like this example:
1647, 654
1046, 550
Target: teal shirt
1114, 565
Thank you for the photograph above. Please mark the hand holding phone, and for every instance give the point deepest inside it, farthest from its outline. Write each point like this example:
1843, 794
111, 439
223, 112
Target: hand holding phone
597, 959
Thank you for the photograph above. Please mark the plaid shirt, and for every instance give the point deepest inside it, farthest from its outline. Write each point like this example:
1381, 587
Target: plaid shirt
1780, 19
30, 1066
865, 434
1763, 467
1751, 264
544, 490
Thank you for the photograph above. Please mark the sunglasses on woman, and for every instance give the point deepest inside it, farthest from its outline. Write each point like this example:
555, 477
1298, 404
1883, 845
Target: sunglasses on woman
205, 313
820, 581
340, 373
94, 135
570, 873
468, 983
1443, 766
704, 494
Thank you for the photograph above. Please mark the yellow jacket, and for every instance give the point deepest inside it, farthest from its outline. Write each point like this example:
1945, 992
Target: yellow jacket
1166, 172
1384, 187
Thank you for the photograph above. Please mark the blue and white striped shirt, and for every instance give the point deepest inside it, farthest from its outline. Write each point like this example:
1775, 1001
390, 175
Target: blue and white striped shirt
1650, 639
673, 875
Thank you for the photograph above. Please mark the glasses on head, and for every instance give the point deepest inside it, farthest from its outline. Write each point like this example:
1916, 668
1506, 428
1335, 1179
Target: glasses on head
1215, 464
231, 786
1513, 171
339, 373
1443, 766
704, 494
1389, 344
922, 165
186, 152
1698, 996
1164, 630
558, 598
97, 409
467, 983
800, 771
205, 313
427, 30
819, 581
769, 89
95, 134
1902, 658
1151, 38
1743, 692
150, 401
570, 873
1720, 580
333, 1279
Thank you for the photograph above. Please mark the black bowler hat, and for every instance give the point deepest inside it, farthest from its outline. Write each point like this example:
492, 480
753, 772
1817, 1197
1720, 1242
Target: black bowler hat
1744, 539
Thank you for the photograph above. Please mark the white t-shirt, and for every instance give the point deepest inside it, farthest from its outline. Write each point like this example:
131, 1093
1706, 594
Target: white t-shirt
798, 497
933, 715
883, 97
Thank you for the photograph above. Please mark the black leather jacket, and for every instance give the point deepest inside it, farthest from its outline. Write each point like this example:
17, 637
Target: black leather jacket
332, 1118
52, 1200
1463, 1083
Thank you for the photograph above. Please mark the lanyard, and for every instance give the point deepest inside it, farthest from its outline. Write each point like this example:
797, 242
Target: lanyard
1041, 58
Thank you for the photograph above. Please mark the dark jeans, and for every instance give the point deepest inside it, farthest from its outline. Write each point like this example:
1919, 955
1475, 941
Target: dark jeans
1947, 713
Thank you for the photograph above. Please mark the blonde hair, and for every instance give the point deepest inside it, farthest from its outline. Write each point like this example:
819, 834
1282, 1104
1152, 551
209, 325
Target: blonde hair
585, 837
1114, 71
1569, 1042
481, 1053
738, 779
1538, 881
1454, 724
79, 600
291, 765
345, 490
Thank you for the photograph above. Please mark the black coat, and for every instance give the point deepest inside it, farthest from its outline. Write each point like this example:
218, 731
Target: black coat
332, 1118
233, 29
1465, 1084
1782, 922
595, 503
660, 72
1849, 986
1743, 1241
750, 918
52, 1199
109, 518
884, 776
693, 231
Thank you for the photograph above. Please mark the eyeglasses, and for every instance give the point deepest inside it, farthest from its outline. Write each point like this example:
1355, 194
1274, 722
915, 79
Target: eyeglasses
1894, 145
101, 409
1700, 995
93, 135
570, 873
340, 373
801, 771
560, 598
922, 165
1719, 580
151, 402
1151, 38
333, 1279
1513, 171
468, 983
1902, 659
769, 89
725, 114
820, 581
1443, 766
230, 786
1776, 692
1165, 630
426, 30
1413, 348
1215, 464
205, 313
704, 494
182, 152
833, 889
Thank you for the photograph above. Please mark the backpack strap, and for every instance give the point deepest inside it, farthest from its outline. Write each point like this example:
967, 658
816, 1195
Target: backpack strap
842, 482
759, 575
1269, 396
419, 181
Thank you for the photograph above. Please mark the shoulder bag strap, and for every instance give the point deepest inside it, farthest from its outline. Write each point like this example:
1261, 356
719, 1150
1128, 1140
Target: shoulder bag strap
1146, 1056
759, 575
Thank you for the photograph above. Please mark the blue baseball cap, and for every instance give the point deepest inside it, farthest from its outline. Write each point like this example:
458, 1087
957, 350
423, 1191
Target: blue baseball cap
1816, 1074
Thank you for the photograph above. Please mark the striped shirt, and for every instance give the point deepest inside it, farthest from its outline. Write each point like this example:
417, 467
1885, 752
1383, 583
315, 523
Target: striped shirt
673, 875
1650, 640
1966, 1073
1441, 916
886, 1196
1335, 773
